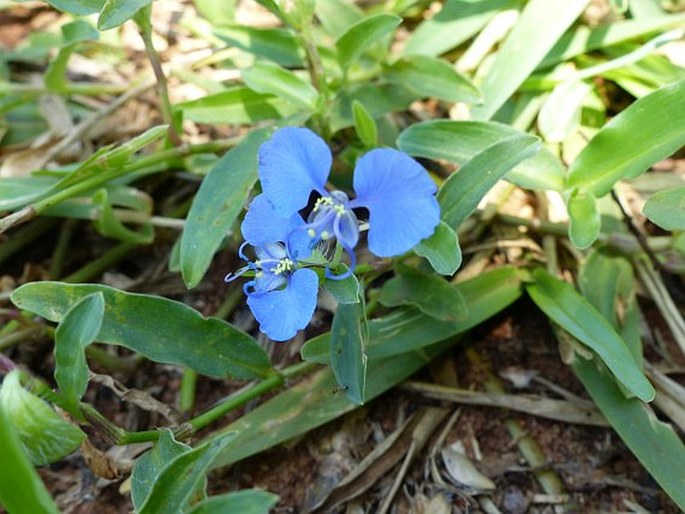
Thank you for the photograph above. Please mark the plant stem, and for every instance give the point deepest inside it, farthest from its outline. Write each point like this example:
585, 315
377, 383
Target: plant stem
142, 18
97, 266
58, 255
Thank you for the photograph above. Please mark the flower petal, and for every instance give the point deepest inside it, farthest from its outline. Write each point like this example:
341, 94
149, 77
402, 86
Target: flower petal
262, 225
292, 164
400, 197
282, 313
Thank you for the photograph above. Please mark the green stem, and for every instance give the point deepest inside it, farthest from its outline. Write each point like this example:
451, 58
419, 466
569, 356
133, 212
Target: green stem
18, 336
60, 252
97, 266
142, 18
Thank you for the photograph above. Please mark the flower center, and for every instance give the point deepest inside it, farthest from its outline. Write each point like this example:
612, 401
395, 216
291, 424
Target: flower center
283, 266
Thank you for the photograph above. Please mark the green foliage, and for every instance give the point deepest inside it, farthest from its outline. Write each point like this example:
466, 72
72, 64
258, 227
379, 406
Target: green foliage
21, 489
538, 93
44, 435
160, 329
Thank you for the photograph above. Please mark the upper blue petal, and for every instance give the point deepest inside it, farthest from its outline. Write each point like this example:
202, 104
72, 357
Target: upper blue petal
262, 225
282, 313
292, 164
400, 197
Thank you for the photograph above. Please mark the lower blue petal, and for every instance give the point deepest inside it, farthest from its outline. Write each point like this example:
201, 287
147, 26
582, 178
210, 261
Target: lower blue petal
282, 313
400, 197
292, 164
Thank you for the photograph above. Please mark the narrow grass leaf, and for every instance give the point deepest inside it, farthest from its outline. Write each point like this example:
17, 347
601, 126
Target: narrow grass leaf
459, 141
524, 48
160, 329
667, 208
246, 501
217, 205
348, 350
655, 444
441, 249
178, 481
44, 435
408, 329
457, 21
79, 328
584, 219
560, 114
463, 190
150, 465
21, 489
566, 307
270, 78
432, 295
582, 39
107, 223
360, 36
631, 142
432, 77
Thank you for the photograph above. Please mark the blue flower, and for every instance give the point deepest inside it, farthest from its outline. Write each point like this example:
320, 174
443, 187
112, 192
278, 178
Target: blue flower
396, 190
282, 295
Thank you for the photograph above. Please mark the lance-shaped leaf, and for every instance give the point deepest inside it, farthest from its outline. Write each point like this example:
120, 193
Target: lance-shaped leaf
462, 191
217, 205
348, 350
80, 327
584, 219
360, 36
667, 208
270, 78
160, 329
637, 138
566, 307
246, 501
459, 141
441, 249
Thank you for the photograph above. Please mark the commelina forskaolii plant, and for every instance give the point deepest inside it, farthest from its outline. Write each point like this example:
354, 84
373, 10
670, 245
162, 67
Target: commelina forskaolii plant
395, 190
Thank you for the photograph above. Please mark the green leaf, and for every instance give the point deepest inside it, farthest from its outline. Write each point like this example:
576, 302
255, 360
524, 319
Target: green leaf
457, 21
310, 403
344, 291
432, 77
360, 36
78, 7
269, 78
656, 445
667, 208
432, 295
525, 47
21, 489
217, 205
79, 328
631, 142
246, 501
608, 283
72, 34
441, 249
562, 303
278, 45
116, 12
160, 329
459, 141
584, 219
462, 191
337, 15
109, 225
583, 39
364, 125
45, 436
19, 191
348, 350
217, 12
239, 105
407, 330
560, 114
150, 465
179, 479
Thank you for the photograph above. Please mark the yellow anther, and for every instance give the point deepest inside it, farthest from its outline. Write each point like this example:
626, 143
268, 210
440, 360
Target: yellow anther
324, 200
325, 235
311, 232
283, 266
